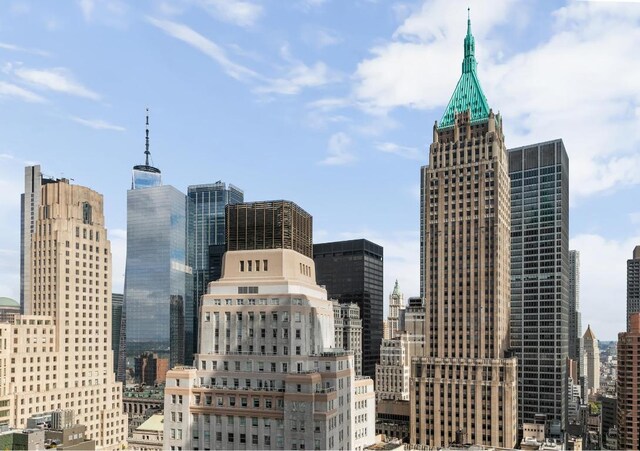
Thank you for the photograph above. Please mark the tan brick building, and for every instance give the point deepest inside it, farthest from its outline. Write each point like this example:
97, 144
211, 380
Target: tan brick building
59, 356
463, 389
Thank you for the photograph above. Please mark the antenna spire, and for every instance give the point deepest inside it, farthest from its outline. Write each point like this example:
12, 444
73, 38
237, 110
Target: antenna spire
146, 152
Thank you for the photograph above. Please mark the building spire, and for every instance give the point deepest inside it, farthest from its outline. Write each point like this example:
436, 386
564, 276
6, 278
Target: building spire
468, 95
146, 145
469, 63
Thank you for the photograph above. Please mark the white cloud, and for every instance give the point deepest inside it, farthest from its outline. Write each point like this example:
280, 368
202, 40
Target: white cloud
97, 124
206, 46
579, 84
241, 13
56, 79
419, 68
87, 7
411, 153
109, 11
20, 8
338, 150
298, 77
11, 90
321, 37
17, 48
603, 277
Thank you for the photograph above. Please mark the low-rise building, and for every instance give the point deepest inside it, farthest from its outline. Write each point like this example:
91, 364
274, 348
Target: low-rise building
149, 435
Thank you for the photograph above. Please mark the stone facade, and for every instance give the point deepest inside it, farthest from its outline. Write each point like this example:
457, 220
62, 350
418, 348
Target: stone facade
463, 388
268, 374
60, 356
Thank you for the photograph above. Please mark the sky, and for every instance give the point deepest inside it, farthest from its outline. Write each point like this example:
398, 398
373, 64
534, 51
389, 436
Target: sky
328, 103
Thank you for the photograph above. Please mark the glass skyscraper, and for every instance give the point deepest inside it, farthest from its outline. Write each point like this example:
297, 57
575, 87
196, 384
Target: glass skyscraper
540, 278
206, 225
158, 280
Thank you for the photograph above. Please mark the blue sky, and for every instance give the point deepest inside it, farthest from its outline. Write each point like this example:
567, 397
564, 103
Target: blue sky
328, 103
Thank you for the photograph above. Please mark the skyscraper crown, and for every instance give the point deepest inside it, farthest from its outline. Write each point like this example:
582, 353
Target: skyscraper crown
468, 94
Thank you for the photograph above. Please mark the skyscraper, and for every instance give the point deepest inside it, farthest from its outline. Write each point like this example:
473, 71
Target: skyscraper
119, 336
352, 272
576, 346
275, 224
592, 358
158, 281
464, 387
633, 284
348, 331
267, 373
628, 385
206, 228
29, 202
60, 354
396, 311
540, 269
575, 319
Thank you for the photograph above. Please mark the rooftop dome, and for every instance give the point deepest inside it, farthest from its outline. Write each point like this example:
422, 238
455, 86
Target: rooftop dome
8, 302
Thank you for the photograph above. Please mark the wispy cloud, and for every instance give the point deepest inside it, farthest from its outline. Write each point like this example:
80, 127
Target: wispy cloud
410, 153
56, 79
206, 46
308, 5
321, 37
109, 11
299, 75
87, 7
97, 124
17, 48
237, 12
11, 90
338, 150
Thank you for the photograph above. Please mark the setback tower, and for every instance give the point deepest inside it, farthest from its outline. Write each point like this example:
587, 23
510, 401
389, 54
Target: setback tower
463, 389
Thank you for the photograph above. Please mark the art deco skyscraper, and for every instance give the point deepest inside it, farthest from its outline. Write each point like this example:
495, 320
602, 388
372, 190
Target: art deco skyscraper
464, 388
60, 354
396, 312
633, 284
29, 200
540, 278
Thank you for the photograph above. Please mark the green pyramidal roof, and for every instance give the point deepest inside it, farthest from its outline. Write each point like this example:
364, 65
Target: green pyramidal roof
468, 94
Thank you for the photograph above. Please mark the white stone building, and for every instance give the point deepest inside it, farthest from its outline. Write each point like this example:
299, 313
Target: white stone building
348, 327
268, 374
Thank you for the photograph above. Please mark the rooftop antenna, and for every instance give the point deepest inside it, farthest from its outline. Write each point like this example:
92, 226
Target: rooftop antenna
146, 152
